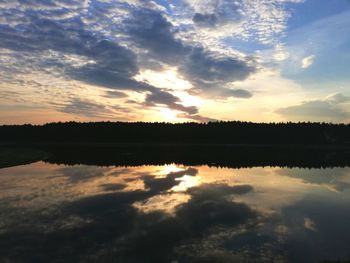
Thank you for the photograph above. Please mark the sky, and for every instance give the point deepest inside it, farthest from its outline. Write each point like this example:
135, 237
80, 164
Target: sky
174, 61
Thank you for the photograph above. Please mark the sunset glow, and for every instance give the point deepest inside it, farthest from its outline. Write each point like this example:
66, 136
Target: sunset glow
174, 61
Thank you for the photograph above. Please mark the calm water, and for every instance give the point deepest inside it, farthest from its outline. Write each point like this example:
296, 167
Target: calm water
173, 213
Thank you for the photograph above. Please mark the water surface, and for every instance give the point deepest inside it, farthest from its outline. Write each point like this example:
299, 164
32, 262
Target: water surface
173, 213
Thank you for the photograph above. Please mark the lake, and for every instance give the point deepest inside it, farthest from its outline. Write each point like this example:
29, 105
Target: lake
173, 213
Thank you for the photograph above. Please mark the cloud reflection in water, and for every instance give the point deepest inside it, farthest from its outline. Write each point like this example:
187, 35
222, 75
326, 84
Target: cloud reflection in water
165, 213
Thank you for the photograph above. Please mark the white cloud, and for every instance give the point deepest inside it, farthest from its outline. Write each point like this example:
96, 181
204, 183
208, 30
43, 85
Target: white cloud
259, 20
307, 61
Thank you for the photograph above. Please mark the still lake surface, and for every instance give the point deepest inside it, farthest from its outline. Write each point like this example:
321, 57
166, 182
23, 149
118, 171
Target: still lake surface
173, 213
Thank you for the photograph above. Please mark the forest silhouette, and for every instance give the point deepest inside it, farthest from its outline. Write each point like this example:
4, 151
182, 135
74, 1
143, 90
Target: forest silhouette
221, 144
233, 132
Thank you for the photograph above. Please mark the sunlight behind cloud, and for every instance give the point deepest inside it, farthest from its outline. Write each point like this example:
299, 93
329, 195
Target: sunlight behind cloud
168, 114
166, 203
169, 168
167, 79
186, 182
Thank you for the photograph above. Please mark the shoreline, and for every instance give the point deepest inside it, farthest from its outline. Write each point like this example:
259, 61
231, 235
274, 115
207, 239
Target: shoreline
136, 154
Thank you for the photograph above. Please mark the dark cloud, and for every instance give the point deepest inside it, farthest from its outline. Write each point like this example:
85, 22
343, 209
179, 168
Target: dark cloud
218, 191
93, 109
115, 94
196, 117
215, 13
110, 64
46, 27
82, 173
120, 171
107, 227
210, 70
237, 93
114, 66
86, 108
162, 184
333, 178
45, 34
151, 31
338, 98
49, 4
212, 205
318, 110
192, 220
207, 20
113, 187
164, 98
206, 70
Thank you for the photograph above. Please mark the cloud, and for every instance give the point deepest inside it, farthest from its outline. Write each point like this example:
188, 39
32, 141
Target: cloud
150, 30
158, 185
76, 174
337, 98
115, 94
207, 208
203, 68
307, 61
50, 9
104, 63
113, 187
107, 43
210, 20
219, 191
328, 109
114, 67
325, 38
86, 108
215, 13
238, 93
196, 117
314, 108
265, 21
212, 205
163, 98
108, 64
167, 99
103, 226
259, 20
334, 178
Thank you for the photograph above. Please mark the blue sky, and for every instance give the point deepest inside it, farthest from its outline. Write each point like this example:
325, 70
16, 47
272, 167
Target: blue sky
183, 60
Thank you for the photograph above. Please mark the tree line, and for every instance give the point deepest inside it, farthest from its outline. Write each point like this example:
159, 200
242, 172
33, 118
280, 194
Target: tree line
222, 132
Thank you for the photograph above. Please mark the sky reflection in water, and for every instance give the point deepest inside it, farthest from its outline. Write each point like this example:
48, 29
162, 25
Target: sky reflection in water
173, 213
